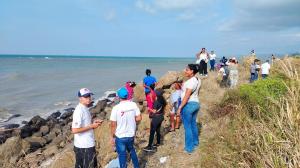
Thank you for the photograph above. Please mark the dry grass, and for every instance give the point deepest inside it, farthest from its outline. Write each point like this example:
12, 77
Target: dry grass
242, 140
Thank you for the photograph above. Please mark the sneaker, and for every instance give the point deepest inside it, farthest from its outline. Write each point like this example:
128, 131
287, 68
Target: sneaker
148, 149
156, 145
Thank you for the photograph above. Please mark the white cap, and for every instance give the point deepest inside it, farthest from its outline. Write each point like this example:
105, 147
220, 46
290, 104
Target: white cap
84, 92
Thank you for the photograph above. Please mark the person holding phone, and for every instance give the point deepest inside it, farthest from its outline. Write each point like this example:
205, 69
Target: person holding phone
83, 130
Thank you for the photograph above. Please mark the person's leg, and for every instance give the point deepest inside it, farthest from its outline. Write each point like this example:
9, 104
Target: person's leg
131, 150
152, 131
210, 63
78, 157
205, 68
195, 130
158, 130
177, 122
187, 120
148, 99
213, 64
201, 67
91, 158
121, 150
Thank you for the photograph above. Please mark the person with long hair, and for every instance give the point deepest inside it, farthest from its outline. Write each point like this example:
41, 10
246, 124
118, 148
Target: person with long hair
189, 107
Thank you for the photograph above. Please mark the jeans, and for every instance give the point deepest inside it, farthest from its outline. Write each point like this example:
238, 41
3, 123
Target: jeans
212, 64
155, 127
253, 77
189, 116
85, 157
123, 145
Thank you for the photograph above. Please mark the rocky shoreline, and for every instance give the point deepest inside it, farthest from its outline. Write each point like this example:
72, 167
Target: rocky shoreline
45, 142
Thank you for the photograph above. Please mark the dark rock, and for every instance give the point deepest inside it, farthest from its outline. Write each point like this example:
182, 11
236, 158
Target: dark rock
36, 122
112, 95
26, 131
68, 113
51, 122
35, 142
11, 126
55, 115
100, 106
3, 138
24, 122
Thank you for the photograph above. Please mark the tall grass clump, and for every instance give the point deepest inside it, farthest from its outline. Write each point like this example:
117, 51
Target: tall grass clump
264, 127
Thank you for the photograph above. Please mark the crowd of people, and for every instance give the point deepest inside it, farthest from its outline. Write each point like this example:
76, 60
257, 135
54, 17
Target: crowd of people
125, 115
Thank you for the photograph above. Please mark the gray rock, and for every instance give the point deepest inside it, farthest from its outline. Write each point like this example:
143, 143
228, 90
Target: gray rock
50, 151
100, 106
36, 142
44, 130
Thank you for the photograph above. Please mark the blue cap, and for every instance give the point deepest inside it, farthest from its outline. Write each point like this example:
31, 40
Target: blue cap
122, 93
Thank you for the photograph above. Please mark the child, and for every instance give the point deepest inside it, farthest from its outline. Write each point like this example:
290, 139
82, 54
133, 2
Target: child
129, 87
175, 102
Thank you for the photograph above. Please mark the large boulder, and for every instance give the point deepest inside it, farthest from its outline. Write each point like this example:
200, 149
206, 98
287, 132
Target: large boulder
169, 78
51, 150
44, 130
100, 106
36, 142
139, 93
36, 122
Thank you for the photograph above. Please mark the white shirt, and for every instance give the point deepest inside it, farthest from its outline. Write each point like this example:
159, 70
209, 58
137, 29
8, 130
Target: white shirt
82, 118
265, 68
124, 114
203, 56
212, 56
193, 84
174, 98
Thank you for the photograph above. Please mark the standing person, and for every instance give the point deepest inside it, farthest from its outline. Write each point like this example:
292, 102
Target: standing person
223, 60
147, 82
129, 86
203, 56
83, 130
175, 103
123, 126
189, 108
212, 60
265, 69
157, 117
254, 70
233, 72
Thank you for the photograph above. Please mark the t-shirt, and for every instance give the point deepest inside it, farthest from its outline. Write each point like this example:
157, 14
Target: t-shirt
265, 68
203, 56
82, 118
130, 91
124, 114
175, 97
212, 56
148, 80
253, 68
193, 84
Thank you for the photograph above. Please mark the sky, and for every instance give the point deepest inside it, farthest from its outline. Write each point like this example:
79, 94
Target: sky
147, 28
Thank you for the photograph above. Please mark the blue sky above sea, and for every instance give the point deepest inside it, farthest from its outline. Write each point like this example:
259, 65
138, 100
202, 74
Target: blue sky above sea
149, 28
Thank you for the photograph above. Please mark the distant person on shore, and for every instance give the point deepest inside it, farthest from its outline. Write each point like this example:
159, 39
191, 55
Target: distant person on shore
175, 99
254, 70
224, 73
265, 69
212, 60
203, 57
123, 126
129, 86
233, 72
147, 82
224, 60
189, 107
83, 130
157, 117
273, 59
253, 53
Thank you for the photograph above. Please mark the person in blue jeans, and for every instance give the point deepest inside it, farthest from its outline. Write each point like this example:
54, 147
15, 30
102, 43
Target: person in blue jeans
123, 126
189, 107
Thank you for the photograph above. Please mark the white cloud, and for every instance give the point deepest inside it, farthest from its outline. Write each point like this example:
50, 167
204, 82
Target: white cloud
184, 9
267, 15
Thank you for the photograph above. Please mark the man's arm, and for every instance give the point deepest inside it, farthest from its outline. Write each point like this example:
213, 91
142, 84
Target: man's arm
83, 129
138, 118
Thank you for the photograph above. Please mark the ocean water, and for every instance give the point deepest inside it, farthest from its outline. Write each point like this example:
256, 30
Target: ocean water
40, 85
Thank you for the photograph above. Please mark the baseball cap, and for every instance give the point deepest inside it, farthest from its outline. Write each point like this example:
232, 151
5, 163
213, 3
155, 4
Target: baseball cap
122, 93
84, 92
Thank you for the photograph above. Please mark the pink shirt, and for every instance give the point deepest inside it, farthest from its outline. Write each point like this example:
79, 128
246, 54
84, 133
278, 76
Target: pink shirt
130, 91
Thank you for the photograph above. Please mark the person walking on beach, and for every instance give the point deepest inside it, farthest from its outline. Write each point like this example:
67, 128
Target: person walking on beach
265, 69
203, 57
123, 126
175, 99
189, 107
147, 82
212, 60
83, 130
157, 117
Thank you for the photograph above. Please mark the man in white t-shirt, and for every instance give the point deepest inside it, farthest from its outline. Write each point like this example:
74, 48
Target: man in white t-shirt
123, 126
265, 69
83, 130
